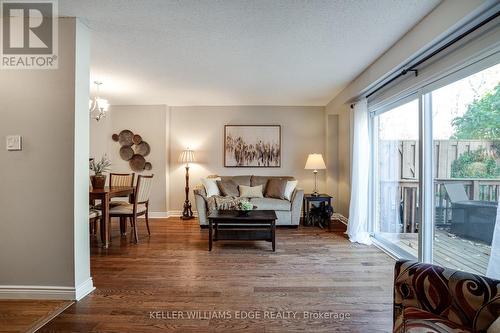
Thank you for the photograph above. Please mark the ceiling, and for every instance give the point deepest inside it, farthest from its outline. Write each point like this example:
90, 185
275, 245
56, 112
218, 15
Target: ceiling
235, 52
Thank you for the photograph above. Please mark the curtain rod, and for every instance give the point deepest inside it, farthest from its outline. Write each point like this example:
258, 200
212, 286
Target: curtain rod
411, 68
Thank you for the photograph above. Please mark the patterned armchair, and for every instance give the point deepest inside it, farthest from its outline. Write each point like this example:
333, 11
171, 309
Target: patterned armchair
430, 298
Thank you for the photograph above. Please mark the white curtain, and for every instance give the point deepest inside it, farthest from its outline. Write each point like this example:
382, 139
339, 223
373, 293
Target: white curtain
357, 228
494, 263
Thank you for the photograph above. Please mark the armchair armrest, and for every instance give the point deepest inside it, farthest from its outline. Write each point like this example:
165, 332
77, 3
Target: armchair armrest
296, 200
200, 198
200, 190
466, 299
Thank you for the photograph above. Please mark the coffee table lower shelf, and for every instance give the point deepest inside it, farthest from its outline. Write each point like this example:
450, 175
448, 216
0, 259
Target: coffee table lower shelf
231, 225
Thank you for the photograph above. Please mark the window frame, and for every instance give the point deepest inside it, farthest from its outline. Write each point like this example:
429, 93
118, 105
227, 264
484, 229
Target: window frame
426, 155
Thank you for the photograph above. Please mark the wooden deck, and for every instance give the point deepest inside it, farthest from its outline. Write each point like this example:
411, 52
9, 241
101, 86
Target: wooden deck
449, 250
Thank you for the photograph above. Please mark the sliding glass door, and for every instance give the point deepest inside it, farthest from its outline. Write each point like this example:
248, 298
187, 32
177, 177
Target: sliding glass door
466, 141
396, 171
460, 126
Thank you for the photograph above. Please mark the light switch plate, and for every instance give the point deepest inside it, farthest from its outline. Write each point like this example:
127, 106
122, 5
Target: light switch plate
14, 143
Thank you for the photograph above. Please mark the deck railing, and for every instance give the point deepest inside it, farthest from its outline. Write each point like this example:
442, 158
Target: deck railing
407, 190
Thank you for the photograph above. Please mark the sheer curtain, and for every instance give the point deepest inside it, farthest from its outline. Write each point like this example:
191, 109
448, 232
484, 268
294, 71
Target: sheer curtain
494, 263
357, 228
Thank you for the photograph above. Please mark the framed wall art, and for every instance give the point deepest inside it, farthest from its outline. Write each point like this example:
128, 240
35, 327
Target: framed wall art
254, 146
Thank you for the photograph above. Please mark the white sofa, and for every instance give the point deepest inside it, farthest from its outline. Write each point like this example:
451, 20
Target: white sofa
288, 212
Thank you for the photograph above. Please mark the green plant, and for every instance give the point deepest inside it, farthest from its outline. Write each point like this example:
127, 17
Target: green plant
100, 167
245, 205
482, 118
475, 164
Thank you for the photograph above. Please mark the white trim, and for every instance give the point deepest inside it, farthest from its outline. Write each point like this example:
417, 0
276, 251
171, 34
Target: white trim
384, 249
178, 213
170, 213
84, 289
158, 215
47, 292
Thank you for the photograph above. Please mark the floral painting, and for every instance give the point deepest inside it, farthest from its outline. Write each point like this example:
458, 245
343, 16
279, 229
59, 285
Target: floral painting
252, 146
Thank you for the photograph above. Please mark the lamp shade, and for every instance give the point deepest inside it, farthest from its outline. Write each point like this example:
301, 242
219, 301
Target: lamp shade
186, 156
315, 162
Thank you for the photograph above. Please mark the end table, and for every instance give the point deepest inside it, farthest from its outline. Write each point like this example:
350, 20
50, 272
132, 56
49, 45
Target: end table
308, 200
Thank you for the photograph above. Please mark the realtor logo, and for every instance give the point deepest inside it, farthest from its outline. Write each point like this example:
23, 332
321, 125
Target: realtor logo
29, 34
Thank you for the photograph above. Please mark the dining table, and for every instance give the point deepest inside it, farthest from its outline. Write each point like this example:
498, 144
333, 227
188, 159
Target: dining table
104, 195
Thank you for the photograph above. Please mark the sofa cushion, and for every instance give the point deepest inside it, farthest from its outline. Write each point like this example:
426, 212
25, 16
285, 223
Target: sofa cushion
276, 188
290, 187
420, 321
271, 204
250, 191
228, 188
240, 180
262, 180
211, 187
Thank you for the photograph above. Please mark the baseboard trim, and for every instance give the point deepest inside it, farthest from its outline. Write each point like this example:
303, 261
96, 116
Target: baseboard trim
158, 215
84, 289
170, 213
47, 292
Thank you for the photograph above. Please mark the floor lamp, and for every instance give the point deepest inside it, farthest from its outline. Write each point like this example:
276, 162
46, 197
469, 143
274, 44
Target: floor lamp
187, 156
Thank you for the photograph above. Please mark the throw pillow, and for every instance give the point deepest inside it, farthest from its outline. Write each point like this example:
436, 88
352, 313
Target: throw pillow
228, 188
250, 191
290, 187
276, 188
211, 186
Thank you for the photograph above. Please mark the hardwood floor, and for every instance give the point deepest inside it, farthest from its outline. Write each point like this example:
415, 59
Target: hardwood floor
28, 315
154, 286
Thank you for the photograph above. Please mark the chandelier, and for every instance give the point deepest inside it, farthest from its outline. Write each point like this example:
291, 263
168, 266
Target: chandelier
98, 106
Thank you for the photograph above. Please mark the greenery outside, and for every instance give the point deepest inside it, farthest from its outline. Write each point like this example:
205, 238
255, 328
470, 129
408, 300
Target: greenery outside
481, 121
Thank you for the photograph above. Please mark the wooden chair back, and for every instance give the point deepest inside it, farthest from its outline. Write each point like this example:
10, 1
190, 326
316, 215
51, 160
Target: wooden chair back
121, 179
143, 189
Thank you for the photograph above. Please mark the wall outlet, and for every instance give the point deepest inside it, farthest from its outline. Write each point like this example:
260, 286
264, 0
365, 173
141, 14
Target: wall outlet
14, 143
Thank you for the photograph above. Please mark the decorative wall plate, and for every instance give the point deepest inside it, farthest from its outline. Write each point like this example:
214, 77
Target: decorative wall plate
142, 148
126, 153
137, 163
125, 138
137, 139
133, 149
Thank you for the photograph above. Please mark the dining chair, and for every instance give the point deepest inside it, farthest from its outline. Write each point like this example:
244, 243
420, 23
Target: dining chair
139, 207
121, 179
94, 217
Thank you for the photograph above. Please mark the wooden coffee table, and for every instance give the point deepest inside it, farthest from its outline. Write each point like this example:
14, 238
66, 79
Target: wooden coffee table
233, 225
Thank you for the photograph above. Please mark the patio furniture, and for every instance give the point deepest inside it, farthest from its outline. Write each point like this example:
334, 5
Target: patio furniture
472, 219
431, 298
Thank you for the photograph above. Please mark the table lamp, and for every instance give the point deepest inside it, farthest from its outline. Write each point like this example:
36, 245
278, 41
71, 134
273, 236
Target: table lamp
315, 162
187, 156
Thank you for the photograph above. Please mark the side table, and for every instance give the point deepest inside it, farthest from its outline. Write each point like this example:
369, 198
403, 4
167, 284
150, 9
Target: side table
309, 199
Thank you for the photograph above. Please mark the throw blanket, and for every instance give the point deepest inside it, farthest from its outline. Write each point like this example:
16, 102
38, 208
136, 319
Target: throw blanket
217, 202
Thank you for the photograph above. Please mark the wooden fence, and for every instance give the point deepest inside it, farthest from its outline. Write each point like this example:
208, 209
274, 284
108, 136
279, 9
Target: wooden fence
399, 174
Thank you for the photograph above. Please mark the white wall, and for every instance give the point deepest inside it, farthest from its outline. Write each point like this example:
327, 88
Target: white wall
44, 240
169, 130
202, 128
150, 122
443, 19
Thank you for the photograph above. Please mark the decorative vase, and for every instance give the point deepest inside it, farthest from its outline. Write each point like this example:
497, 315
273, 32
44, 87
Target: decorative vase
98, 181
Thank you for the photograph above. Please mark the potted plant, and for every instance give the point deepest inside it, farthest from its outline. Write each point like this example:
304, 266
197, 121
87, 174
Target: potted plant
245, 207
98, 180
